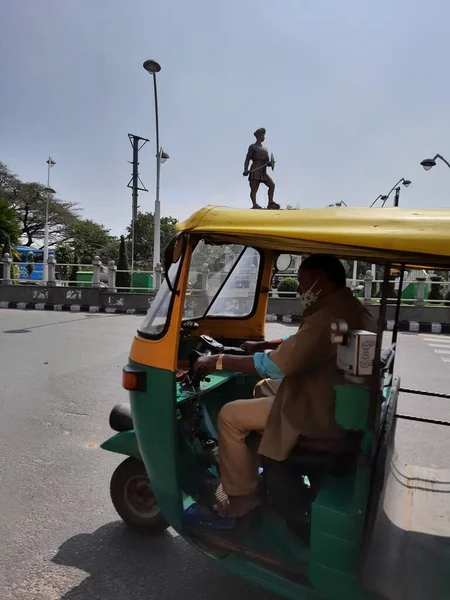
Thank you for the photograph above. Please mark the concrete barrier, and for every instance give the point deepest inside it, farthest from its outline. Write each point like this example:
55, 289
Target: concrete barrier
435, 319
73, 298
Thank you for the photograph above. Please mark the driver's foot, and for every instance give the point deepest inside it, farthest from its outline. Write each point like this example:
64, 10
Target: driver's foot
273, 206
239, 506
257, 206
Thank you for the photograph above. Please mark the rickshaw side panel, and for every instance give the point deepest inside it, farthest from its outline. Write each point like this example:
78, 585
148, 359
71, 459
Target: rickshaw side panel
154, 416
339, 510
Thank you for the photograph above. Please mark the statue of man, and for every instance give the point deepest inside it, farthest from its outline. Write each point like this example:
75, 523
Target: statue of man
257, 174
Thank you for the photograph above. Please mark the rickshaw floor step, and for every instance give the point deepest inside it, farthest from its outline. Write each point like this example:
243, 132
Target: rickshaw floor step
199, 517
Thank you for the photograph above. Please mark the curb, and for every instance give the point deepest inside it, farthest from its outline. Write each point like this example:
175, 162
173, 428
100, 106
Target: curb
73, 308
404, 326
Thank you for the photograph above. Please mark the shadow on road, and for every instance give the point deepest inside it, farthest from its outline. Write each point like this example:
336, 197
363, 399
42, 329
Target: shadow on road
122, 565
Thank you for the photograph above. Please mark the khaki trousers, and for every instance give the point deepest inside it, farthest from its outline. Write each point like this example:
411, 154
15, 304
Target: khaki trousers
238, 464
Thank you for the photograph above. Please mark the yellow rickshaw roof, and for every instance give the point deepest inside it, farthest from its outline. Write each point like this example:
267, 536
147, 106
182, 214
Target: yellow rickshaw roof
414, 237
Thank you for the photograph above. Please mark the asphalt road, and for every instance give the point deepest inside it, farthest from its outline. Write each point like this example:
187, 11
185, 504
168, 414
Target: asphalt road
60, 537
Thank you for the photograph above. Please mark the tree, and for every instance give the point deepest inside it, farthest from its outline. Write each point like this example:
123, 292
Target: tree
30, 264
73, 271
110, 251
436, 287
144, 227
9, 227
88, 238
123, 279
29, 202
64, 256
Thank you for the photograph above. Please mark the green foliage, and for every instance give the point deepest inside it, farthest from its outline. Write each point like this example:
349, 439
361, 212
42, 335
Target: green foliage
123, 279
110, 251
9, 227
88, 239
73, 271
30, 264
288, 284
143, 237
15, 272
64, 256
22, 214
436, 288
28, 200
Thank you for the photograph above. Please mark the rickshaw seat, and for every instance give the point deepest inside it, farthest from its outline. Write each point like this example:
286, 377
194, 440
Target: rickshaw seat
120, 418
311, 455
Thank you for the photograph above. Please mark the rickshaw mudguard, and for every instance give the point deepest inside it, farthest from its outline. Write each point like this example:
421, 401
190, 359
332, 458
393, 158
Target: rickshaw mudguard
154, 418
124, 442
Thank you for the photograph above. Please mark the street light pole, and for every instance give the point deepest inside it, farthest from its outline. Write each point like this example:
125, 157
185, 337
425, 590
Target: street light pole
157, 232
48, 191
396, 187
152, 67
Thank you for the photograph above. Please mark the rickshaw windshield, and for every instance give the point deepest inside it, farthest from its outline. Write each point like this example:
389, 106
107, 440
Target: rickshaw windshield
158, 314
222, 281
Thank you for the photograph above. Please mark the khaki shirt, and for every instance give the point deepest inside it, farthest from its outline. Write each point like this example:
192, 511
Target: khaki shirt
304, 403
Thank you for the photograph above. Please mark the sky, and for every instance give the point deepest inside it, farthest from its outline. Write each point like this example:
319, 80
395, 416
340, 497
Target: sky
353, 94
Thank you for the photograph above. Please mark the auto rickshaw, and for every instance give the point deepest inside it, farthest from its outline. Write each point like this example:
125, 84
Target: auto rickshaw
329, 526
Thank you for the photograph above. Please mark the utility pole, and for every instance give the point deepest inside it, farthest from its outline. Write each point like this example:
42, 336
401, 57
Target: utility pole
134, 182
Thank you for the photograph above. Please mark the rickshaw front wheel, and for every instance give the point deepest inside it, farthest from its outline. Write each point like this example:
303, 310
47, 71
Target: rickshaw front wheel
133, 498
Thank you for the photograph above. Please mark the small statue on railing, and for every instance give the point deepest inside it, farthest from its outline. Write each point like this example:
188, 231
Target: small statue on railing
257, 174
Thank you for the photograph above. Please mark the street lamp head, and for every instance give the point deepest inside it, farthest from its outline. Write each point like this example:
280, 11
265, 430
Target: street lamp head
383, 198
163, 156
49, 190
406, 182
428, 163
152, 66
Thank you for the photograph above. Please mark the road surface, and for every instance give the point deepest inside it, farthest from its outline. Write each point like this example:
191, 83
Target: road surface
60, 537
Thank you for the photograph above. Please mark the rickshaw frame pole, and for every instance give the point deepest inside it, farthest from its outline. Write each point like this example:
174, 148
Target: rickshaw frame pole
375, 387
397, 306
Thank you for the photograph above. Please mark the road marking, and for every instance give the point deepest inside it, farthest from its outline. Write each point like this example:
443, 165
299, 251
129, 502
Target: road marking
172, 532
440, 344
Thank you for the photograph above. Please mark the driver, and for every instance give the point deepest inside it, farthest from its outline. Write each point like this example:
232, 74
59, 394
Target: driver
296, 395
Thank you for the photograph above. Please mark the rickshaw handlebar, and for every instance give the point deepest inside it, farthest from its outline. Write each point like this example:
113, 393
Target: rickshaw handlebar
207, 346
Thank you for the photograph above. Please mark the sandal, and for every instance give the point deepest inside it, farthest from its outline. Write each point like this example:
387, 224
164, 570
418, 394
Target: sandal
273, 206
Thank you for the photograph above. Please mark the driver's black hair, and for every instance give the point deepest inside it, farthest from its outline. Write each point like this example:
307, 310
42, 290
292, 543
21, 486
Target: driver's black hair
329, 265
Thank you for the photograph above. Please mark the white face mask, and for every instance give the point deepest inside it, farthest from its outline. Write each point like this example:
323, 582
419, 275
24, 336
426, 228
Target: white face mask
309, 297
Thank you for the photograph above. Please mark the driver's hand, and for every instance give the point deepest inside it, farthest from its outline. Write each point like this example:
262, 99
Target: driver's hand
205, 365
246, 173
251, 347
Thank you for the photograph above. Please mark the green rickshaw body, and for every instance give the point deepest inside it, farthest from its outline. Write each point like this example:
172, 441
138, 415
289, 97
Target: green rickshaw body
262, 549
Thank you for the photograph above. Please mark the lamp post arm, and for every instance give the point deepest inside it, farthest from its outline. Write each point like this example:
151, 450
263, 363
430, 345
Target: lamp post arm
393, 188
443, 159
375, 201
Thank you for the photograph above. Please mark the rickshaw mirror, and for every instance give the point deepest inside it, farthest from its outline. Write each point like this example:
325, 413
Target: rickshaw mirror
283, 262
